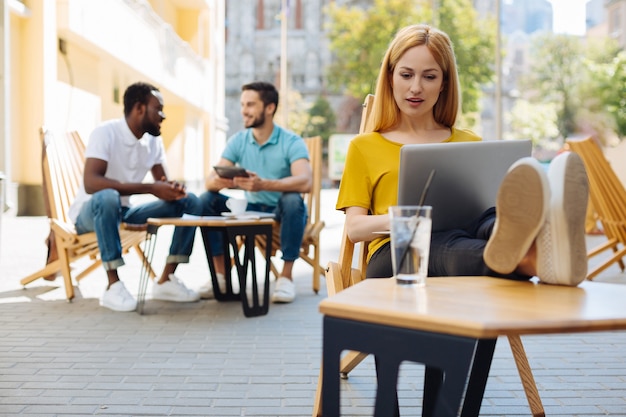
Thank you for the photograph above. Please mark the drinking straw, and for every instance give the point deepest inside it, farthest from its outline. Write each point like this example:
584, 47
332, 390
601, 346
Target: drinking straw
421, 202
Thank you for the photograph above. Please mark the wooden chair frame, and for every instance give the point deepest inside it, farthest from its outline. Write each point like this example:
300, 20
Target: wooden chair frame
310, 249
342, 274
608, 198
63, 161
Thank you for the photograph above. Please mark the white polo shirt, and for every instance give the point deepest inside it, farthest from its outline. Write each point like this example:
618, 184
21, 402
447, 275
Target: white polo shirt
128, 159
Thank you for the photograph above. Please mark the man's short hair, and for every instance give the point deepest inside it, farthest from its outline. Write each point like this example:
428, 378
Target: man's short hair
267, 92
138, 92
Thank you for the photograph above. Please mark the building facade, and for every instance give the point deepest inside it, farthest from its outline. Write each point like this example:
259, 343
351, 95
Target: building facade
66, 64
254, 50
616, 20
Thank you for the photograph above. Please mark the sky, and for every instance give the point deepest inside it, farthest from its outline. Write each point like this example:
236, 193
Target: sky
568, 16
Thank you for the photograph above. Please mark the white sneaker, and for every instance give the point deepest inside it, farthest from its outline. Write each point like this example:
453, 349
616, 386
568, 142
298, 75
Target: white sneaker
174, 290
284, 291
561, 247
521, 207
206, 290
117, 298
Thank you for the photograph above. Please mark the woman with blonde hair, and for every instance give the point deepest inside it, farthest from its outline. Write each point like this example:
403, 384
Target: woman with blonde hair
416, 101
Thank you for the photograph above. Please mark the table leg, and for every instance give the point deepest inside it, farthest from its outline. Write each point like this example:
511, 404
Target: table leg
228, 294
144, 276
387, 369
452, 355
433, 377
251, 306
331, 352
478, 377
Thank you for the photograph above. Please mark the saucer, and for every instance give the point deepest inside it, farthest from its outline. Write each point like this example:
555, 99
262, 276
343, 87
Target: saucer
230, 214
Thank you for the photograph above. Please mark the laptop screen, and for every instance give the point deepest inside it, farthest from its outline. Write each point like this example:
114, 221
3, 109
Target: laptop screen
466, 180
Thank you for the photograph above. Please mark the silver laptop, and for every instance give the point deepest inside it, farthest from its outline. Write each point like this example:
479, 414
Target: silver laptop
466, 180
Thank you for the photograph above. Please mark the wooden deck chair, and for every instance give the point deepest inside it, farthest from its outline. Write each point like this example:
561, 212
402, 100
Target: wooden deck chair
349, 271
608, 198
310, 249
63, 161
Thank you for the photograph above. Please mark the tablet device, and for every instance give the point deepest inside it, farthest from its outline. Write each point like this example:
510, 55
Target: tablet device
230, 171
466, 181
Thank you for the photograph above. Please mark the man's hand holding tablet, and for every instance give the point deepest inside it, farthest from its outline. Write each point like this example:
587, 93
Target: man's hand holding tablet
230, 171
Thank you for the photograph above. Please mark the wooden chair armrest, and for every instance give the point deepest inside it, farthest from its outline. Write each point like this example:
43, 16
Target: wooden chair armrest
135, 227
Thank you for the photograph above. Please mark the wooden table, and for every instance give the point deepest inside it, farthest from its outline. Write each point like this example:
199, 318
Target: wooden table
451, 326
231, 228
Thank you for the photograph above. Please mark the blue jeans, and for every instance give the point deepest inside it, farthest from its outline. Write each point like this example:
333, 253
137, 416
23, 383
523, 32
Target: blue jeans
103, 214
290, 212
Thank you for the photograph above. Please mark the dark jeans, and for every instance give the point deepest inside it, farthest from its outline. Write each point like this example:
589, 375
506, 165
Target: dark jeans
457, 252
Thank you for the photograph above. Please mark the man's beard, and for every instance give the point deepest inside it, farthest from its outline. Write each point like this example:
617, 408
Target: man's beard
151, 128
257, 121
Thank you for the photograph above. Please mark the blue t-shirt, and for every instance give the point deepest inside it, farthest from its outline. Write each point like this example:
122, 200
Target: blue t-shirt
272, 160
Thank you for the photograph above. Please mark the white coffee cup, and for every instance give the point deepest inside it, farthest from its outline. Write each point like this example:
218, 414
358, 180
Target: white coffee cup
237, 205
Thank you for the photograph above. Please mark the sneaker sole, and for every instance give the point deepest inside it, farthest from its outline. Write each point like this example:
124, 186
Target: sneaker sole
525, 209
118, 309
164, 297
207, 296
568, 208
282, 299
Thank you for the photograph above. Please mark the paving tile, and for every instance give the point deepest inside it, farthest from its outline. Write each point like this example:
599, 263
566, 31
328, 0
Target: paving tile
207, 359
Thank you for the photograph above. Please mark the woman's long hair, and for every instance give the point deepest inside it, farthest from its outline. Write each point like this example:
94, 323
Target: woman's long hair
385, 113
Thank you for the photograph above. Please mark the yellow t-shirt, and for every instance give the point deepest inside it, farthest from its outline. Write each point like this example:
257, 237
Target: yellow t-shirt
370, 175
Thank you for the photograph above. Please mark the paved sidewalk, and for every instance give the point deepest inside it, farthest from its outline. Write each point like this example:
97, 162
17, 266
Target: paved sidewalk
207, 359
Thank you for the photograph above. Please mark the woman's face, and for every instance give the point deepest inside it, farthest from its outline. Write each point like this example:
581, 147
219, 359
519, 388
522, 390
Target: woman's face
417, 81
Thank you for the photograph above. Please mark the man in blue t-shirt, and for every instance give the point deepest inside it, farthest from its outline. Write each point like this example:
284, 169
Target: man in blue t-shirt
277, 163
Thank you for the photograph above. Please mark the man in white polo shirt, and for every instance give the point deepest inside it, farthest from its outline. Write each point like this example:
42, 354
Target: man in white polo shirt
119, 154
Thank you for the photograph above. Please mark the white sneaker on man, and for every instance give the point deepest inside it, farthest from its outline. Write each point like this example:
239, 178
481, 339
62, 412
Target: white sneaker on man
117, 298
521, 208
206, 290
174, 290
284, 291
561, 246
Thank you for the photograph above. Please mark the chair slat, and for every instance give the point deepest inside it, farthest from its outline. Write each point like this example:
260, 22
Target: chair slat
608, 197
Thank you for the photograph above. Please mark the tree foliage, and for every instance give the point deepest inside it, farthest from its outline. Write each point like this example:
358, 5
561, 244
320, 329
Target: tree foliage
584, 79
555, 68
604, 91
297, 112
474, 46
322, 119
532, 121
359, 38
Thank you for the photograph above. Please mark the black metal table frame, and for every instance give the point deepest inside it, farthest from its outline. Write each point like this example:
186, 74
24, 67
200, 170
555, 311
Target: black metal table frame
230, 231
464, 361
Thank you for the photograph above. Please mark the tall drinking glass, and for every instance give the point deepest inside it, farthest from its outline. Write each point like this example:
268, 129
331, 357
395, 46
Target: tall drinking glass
410, 243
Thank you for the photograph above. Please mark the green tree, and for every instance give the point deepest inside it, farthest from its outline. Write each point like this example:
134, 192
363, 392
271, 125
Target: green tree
359, 38
554, 75
532, 121
584, 79
322, 119
605, 90
474, 46
297, 112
